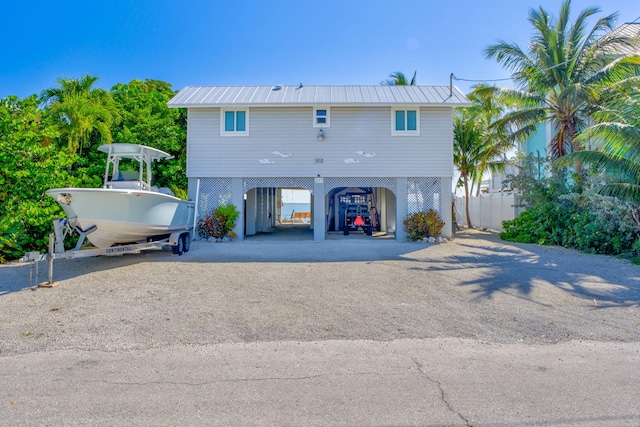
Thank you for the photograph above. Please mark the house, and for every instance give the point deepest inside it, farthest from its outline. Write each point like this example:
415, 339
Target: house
388, 146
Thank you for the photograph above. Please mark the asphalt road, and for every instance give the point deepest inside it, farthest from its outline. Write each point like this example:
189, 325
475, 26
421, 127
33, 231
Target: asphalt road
346, 332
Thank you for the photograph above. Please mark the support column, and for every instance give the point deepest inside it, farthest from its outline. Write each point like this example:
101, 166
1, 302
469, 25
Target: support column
278, 214
312, 212
251, 212
272, 221
259, 209
402, 206
319, 229
445, 209
237, 198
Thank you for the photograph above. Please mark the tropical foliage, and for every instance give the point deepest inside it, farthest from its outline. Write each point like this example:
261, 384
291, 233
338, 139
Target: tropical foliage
586, 221
564, 73
617, 129
576, 80
219, 223
81, 111
399, 79
146, 120
479, 141
30, 163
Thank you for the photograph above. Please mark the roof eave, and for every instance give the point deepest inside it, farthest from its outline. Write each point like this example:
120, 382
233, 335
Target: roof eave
368, 104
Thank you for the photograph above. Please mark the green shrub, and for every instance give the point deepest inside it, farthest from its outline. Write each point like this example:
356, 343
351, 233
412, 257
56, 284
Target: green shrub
219, 223
589, 223
423, 224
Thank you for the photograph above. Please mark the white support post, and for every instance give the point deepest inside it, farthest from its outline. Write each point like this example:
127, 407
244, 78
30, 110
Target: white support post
402, 208
237, 198
195, 210
445, 209
319, 216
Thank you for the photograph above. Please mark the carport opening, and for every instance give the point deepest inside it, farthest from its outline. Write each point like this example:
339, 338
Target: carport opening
364, 210
294, 206
278, 213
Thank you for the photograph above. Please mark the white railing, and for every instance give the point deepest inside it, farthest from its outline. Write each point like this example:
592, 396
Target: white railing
488, 210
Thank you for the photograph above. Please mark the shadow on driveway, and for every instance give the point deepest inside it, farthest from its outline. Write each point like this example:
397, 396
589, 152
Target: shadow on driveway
489, 265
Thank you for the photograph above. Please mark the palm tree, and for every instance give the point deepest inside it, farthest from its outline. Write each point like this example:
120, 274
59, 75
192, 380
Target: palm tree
81, 110
478, 144
399, 79
618, 127
497, 140
67, 87
467, 146
561, 75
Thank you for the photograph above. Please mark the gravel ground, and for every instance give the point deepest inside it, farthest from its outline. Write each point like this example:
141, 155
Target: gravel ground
476, 287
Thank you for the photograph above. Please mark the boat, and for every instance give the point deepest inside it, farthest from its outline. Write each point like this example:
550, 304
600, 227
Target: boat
127, 209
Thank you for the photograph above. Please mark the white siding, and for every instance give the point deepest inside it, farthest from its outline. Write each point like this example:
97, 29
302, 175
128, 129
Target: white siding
290, 130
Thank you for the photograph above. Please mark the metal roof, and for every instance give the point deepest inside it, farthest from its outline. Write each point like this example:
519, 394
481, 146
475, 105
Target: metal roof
218, 96
630, 30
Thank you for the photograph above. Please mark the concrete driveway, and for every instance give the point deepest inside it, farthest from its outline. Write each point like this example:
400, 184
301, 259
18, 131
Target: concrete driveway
345, 332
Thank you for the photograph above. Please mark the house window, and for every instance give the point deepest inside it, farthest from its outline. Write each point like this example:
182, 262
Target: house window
321, 117
405, 122
234, 123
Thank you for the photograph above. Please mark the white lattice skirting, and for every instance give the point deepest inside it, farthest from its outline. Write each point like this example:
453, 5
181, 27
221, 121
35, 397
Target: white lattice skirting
423, 193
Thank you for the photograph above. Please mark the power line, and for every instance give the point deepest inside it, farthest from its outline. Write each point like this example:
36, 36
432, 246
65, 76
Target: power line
480, 81
508, 78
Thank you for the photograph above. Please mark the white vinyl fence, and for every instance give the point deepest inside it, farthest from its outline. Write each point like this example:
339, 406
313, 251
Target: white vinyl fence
488, 210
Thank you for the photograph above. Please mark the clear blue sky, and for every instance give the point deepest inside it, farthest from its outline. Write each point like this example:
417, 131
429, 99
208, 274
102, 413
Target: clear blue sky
262, 42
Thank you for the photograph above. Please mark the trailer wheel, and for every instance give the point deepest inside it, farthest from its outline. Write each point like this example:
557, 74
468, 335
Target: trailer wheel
187, 242
346, 230
178, 249
369, 231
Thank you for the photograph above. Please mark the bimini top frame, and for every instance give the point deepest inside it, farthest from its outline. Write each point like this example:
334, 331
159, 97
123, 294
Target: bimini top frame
142, 154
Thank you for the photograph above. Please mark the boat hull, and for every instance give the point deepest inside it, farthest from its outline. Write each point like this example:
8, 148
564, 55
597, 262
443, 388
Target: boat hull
123, 216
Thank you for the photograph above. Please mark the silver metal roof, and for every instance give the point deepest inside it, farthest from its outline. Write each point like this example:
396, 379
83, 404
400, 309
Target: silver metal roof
630, 30
218, 96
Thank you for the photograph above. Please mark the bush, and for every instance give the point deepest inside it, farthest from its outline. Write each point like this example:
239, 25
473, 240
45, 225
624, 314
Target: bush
563, 209
589, 223
219, 223
423, 224
30, 164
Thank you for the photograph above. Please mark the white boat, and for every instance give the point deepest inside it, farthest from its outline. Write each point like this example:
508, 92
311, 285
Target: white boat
127, 209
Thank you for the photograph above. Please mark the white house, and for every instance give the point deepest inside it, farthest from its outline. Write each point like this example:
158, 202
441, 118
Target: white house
392, 144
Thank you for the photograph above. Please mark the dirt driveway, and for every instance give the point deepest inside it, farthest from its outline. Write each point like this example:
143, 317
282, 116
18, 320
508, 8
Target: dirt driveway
476, 287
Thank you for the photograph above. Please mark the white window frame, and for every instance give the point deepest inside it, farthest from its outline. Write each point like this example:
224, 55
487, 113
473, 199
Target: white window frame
234, 132
315, 117
395, 132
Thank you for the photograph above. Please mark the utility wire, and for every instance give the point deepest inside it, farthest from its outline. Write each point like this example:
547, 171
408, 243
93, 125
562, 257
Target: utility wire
480, 81
508, 78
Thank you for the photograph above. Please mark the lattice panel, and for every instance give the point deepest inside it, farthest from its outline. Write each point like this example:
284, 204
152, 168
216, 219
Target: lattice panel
423, 194
283, 182
213, 193
331, 183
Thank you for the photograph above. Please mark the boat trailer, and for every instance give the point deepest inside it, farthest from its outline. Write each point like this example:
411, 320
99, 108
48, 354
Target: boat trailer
179, 241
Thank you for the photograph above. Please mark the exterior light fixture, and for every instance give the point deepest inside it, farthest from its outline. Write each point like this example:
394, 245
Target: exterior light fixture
320, 135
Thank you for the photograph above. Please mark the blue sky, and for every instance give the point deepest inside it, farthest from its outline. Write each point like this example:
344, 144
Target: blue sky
262, 42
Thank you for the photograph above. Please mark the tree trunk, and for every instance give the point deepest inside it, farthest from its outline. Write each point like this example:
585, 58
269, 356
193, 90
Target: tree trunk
466, 201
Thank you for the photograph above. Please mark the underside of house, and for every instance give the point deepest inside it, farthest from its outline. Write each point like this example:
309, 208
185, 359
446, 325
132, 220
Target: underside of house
388, 201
